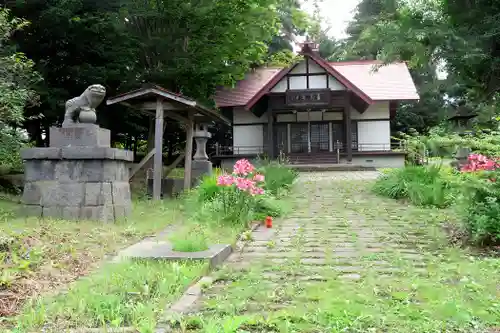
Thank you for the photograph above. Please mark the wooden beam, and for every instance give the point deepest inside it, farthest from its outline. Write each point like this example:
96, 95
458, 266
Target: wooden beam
270, 136
158, 162
166, 106
347, 129
174, 164
189, 152
141, 163
177, 117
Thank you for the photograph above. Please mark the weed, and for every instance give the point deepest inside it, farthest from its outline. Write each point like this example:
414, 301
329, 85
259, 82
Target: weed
124, 294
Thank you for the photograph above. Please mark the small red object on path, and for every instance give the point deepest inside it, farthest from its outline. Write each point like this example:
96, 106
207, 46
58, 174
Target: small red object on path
269, 222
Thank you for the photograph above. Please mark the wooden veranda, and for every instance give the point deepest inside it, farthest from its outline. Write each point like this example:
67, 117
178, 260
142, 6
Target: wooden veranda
161, 103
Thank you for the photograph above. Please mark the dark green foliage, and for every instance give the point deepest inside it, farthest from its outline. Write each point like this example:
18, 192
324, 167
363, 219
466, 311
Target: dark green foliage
208, 189
422, 186
267, 205
481, 208
278, 177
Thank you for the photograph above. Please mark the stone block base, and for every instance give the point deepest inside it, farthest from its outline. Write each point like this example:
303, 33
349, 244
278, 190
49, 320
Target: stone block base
77, 189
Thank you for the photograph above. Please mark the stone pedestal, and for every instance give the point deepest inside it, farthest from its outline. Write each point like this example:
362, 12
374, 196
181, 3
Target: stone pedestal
79, 177
461, 157
201, 166
200, 169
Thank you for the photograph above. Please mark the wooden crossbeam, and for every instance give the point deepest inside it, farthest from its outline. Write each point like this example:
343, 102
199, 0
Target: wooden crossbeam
141, 163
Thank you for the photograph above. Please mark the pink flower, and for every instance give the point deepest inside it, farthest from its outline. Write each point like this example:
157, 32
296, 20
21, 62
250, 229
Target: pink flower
244, 184
243, 167
258, 177
257, 190
478, 162
225, 180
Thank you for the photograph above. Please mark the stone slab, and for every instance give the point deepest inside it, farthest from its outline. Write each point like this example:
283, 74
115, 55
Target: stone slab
96, 153
41, 153
89, 135
77, 153
162, 250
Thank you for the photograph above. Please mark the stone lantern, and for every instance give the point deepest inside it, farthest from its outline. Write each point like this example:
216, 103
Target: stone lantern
201, 165
462, 125
461, 119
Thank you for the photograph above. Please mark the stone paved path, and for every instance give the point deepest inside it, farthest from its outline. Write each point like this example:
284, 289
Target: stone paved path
333, 232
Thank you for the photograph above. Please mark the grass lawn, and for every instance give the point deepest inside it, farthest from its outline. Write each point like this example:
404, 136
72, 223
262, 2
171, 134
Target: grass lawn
415, 282
128, 294
39, 257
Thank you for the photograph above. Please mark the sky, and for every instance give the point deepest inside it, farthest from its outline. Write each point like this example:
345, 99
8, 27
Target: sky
337, 13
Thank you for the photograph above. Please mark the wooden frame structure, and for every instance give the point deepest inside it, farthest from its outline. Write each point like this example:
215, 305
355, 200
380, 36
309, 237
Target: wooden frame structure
157, 101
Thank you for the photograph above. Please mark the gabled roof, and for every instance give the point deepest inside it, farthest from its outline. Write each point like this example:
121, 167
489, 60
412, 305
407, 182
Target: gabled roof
370, 80
152, 92
245, 89
390, 82
306, 51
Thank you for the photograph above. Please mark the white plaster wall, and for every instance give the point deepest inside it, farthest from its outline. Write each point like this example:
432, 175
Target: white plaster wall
315, 68
317, 82
299, 68
242, 116
377, 161
280, 86
374, 135
334, 84
248, 139
297, 82
378, 110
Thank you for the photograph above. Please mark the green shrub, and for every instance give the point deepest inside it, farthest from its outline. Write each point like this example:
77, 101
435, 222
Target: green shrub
422, 186
208, 189
278, 177
11, 143
266, 205
481, 208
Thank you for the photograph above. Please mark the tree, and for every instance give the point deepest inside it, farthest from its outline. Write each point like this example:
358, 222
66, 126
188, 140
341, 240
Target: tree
74, 43
16, 78
16, 73
394, 31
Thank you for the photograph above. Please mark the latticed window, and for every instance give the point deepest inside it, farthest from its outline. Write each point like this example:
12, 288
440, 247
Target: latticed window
354, 135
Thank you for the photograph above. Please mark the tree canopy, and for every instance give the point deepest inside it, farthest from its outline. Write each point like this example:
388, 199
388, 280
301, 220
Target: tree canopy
190, 47
194, 46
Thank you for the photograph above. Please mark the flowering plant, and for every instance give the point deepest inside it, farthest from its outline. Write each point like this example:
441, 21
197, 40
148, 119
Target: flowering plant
482, 199
239, 188
478, 162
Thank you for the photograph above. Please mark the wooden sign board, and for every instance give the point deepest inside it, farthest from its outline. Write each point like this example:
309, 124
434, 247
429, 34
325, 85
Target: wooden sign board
306, 98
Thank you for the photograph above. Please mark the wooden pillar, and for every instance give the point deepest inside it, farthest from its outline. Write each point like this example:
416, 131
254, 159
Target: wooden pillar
289, 138
347, 127
270, 136
330, 137
158, 157
189, 151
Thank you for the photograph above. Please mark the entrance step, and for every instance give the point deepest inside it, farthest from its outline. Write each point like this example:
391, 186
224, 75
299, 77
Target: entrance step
330, 167
313, 158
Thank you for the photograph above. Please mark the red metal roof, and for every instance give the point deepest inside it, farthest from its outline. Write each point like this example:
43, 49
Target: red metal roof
391, 82
245, 89
369, 79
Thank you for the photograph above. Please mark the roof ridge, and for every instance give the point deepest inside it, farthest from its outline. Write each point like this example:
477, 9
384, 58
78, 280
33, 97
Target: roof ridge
355, 62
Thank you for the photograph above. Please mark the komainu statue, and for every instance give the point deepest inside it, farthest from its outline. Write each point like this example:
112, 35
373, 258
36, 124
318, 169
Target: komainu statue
81, 109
